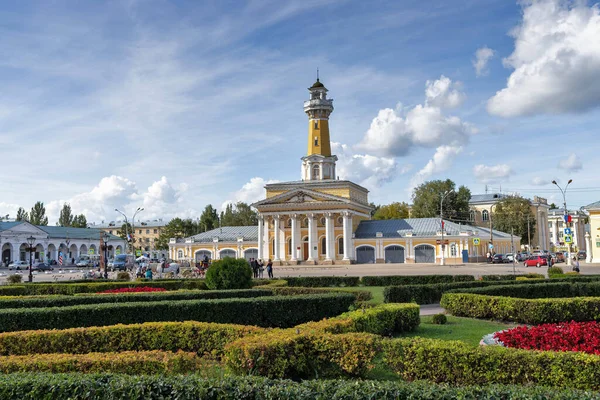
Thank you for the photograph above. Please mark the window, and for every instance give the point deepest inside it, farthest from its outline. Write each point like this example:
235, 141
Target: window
316, 125
180, 254
341, 245
147, 231
550, 224
316, 141
485, 215
323, 245
140, 231
315, 171
110, 232
147, 240
453, 250
560, 224
472, 215
155, 231
289, 246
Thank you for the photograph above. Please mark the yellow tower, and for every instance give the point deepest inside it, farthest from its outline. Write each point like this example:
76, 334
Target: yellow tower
318, 164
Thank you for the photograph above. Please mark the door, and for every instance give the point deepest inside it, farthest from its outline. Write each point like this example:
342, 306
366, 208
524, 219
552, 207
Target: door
394, 254
251, 253
200, 255
304, 255
465, 256
365, 255
227, 253
424, 254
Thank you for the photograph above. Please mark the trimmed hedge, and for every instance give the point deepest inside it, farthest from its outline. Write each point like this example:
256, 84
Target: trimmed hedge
323, 281
511, 277
361, 295
94, 287
528, 311
131, 362
541, 290
192, 387
414, 279
272, 311
203, 338
460, 364
62, 300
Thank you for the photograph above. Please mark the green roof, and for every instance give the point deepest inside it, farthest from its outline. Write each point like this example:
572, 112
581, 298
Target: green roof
317, 84
74, 233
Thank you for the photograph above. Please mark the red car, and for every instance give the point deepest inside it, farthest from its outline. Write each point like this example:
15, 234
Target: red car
536, 261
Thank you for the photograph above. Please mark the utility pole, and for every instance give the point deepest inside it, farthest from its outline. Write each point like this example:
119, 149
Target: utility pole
566, 215
528, 235
491, 232
443, 260
512, 248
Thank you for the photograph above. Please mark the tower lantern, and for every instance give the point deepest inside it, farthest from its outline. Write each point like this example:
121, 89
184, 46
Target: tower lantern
318, 164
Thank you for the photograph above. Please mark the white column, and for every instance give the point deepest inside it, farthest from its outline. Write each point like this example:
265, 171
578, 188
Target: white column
589, 248
328, 237
555, 231
266, 252
311, 237
261, 254
576, 236
276, 237
347, 232
294, 237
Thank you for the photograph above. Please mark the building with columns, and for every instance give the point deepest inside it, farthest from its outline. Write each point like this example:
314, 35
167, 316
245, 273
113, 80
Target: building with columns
556, 226
321, 219
50, 240
593, 237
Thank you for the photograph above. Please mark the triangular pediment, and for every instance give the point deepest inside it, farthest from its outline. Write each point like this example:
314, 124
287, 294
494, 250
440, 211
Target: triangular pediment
301, 196
25, 228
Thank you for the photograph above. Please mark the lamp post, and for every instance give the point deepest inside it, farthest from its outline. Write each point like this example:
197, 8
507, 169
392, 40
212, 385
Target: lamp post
68, 255
443, 260
566, 214
104, 246
491, 248
30, 242
132, 225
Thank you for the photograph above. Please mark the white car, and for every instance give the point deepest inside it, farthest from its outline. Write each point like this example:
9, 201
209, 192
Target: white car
83, 263
18, 265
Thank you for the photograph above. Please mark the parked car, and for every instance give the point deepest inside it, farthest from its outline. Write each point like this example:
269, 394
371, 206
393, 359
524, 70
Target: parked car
560, 257
581, 255
536, 261
18, 265
498, 259
42, 267
84, 263
522, 257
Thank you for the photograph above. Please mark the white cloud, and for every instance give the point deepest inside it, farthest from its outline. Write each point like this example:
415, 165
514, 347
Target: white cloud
492, 174
556, 61
443, 93
441, 161
8, 208
251, 192
538, 181
366, 170
482, 56
571, 164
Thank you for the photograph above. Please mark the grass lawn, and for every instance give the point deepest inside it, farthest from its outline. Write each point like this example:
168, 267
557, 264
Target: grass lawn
468, 330
376, 291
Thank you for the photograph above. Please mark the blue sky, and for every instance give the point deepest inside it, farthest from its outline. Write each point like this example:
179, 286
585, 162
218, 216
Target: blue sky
172, 105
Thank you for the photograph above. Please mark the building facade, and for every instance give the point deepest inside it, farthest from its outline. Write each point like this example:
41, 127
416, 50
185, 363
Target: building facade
593, 237
556, 226
144, 236
72, 243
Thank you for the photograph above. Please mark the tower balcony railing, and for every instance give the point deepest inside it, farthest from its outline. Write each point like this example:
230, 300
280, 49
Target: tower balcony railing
319, 103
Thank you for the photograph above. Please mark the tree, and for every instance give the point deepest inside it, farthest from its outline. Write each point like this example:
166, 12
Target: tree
176, 228
510, 215
392, 211
241, 215
22, 215
209, 219
426, 201
553, 206
37, 215
124, 230
79, 221
374, 208
229, 273
65, 218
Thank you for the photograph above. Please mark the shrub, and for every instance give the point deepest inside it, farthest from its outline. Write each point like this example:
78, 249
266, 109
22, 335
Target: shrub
269, 282
571, 273
229, 273
540, 290
360, 295
460, 364
203, 338
439, 319
528, 311
123, 276
60, 301
323, 281
13, 279
93, 287
272, 311
384, 319
132, 362
139, 289
555, 270
396, 280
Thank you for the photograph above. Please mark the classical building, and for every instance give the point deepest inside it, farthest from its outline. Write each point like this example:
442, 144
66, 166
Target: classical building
145, 234
593, 237
50, 240
556, 226
321, 219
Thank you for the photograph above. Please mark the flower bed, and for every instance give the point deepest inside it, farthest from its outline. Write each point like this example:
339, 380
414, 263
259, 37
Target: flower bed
567, 336
140, 289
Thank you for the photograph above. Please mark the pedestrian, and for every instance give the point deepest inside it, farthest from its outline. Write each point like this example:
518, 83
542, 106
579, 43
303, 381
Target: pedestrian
550, 260
261, 268
575, 264
149, 273
270, 269
489, 257
254, 266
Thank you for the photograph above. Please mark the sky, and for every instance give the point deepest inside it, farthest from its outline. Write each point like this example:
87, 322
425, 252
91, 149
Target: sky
173, 105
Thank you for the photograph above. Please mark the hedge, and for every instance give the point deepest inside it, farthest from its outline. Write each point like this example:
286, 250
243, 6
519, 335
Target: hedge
541, 290
323, 281
63, 300
414, 279
272, 311
361, 295
511, 277
94, 287
528, 311
192, 387
130, 362
460, 364
203, 338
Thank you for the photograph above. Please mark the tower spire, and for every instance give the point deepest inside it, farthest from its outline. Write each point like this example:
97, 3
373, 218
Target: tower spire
317, 74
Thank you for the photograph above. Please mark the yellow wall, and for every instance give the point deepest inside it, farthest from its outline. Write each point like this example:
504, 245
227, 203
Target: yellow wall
321, 132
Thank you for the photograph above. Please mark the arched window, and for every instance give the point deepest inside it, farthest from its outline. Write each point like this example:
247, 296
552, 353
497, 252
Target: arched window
472, 215
323, 245
315, 172
289, 246
180, 254
485, 215
273, 246
341, 245
453, 250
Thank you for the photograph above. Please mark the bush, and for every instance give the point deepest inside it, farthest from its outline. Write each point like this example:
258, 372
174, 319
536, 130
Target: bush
538, 291
323, 281
272, 311
93, 287
132, 362
203, 338
414, 279
269, 282
460, 364
439, 319
13, 279
61, 301
512, 277
361, 295
555, 270
571, 273
192, 387
123, 276
527, 311
229, 273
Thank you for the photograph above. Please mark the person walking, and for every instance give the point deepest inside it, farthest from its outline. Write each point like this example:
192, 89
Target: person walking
270, 269
575, 264
149, 273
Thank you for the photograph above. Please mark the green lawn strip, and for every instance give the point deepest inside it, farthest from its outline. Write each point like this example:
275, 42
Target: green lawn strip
376, 291
467, 330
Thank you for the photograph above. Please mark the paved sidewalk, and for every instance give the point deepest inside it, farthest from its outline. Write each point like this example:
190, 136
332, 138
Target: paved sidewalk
431, 309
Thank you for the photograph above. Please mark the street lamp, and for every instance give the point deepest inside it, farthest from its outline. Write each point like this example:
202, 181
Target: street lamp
491, 247
566, 214
105, 237
442, 261
132, 225
31, 241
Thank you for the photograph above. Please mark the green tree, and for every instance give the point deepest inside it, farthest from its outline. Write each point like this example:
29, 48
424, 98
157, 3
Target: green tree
209, 219
374, 208
79, 221
510, 215
37, 215
177, 228
66, 217
239, 215
392, 211
22, 215
229, 273
426, 201
124, 230
553, 206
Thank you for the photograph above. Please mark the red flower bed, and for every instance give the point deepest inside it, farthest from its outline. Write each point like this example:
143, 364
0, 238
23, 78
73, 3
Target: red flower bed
565, 336
141, 289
